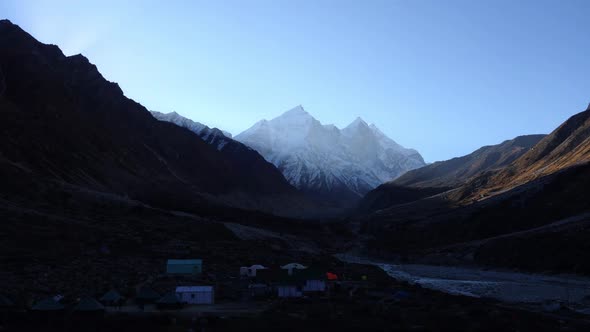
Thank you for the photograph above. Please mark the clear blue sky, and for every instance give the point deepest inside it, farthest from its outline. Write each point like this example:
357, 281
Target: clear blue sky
444, 77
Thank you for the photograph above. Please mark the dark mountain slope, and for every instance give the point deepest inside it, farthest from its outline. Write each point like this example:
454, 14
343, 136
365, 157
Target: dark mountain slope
62, 121
438, 229
498, 217
444, 175
239, 155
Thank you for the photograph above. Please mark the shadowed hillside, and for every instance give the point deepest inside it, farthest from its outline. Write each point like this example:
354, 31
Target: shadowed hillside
500, 216
64, 122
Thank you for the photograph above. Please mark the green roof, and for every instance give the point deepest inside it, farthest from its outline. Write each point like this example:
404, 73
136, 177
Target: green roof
111, 296
184, 266
48, 305
185, 261
88, 304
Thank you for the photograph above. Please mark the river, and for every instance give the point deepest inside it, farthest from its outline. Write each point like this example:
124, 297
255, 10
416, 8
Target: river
506, 286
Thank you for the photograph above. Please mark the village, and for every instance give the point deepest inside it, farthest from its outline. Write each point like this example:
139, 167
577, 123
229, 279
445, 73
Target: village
186, 290
185, 296
185, 285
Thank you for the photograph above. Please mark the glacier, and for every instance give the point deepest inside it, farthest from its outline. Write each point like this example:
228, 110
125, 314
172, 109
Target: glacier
328, 161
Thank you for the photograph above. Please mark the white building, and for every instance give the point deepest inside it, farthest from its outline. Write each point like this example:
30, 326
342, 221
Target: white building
289, 291
258, 290
196, 294
251, 271
293, 266
314, 285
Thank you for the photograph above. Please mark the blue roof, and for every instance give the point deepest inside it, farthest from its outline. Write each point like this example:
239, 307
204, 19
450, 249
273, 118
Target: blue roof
185, 261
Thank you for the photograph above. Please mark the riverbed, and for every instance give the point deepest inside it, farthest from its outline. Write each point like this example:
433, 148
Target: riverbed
506, 286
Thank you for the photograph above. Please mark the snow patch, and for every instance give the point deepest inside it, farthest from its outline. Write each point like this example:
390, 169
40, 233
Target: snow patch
213, 136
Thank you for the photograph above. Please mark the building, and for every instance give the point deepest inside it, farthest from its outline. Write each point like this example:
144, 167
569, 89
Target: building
146, 295
169, 301
289, 290
86, 314
293, 266
314, 280
301, 282
246, 271
48, 311
111, 298
269, 276
89, 305
49, 304
314, 285
258, 290
295, 284
196, 294
184, 266
287, 285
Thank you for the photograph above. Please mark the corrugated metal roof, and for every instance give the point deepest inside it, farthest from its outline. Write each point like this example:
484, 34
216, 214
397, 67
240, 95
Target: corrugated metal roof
185, 261
191, 289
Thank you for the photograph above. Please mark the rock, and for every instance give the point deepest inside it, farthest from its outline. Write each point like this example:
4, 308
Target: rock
2, 83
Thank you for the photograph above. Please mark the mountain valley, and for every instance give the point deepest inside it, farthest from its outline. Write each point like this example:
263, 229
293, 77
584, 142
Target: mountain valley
98, 193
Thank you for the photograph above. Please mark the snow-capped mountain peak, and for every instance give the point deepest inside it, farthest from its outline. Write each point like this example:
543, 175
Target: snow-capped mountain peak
357, 128
296, 111
340, 164
295, 116
358, 122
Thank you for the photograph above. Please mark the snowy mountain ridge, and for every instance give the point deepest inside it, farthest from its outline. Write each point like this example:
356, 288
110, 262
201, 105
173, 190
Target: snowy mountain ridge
213, 136
326, 160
